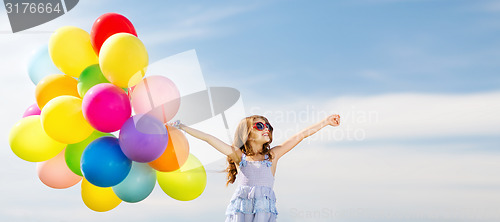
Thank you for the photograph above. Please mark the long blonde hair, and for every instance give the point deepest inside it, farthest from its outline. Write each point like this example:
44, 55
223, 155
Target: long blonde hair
241, 141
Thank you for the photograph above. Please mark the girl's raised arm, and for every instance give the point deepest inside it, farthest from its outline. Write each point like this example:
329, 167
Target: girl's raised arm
285, 147
228, 150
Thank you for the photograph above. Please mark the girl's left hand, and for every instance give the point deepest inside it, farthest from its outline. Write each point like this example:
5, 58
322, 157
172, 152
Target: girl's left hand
333, 120
175, 124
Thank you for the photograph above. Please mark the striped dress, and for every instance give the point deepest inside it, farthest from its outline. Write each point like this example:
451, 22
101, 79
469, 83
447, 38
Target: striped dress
254, 199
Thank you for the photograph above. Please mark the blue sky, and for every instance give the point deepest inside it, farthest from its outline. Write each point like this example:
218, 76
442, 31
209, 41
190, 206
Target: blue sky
361, 47
416, 82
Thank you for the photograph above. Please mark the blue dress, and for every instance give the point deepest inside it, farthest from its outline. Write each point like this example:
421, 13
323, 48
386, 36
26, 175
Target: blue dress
254, 199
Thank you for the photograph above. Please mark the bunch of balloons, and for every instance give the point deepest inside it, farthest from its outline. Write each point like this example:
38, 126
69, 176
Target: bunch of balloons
88, 86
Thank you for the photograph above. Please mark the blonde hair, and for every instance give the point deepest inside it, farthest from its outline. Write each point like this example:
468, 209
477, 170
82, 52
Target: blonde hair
241, 142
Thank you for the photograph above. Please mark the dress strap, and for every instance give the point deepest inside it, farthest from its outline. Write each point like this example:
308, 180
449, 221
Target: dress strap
243, 161
266, 160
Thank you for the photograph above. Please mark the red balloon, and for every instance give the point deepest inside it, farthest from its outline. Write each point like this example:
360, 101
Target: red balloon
107, 25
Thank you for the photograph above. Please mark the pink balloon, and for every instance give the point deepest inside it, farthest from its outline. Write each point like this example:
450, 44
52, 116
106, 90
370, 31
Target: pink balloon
106, 107
157, 96
32, 111
56, 174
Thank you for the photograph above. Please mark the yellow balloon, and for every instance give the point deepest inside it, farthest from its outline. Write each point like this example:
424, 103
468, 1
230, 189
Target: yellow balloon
99, 199
123, 59
71, 50
63, 120
55, 85
28, 141
186, 183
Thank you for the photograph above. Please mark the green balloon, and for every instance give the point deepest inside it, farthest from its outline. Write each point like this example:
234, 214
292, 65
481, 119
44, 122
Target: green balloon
186, 183
73, 153
89, 77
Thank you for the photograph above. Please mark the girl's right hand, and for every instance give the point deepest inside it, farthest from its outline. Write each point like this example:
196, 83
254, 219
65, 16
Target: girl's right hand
333, 120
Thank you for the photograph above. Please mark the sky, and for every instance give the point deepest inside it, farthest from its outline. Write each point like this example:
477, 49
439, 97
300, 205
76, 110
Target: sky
415, 81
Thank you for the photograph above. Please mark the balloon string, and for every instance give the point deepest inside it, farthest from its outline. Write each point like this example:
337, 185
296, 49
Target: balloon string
163, 112
149, 93
129, 93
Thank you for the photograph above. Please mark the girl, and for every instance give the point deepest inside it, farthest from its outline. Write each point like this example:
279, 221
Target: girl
250, 156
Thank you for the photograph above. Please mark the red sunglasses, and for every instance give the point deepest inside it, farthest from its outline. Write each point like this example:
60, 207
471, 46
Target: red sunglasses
260, 126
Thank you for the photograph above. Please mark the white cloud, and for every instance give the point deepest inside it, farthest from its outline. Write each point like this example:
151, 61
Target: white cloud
370, 177
422, 115
399, 180
389, 116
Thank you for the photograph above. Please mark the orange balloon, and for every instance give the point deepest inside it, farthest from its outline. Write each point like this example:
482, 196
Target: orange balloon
53, 86
56, 174
176, 153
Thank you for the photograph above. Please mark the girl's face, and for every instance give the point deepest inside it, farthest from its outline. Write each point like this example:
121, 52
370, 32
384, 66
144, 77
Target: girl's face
260, 131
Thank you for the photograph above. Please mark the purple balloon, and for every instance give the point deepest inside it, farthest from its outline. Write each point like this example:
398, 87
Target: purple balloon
143, 138
32, 110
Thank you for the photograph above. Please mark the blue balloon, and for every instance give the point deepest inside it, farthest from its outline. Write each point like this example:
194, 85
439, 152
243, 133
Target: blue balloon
103, 162
41, 65
139, 183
